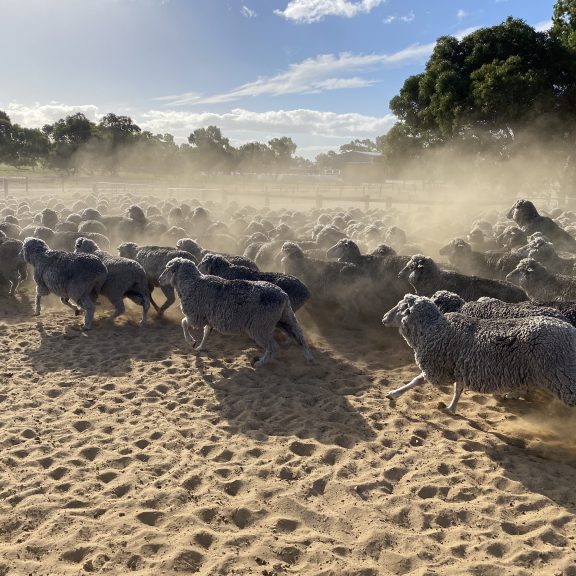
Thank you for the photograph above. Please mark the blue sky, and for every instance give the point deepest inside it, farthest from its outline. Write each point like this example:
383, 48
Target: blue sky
319, 71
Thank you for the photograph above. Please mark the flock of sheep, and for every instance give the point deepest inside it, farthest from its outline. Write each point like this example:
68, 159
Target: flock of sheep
498, 317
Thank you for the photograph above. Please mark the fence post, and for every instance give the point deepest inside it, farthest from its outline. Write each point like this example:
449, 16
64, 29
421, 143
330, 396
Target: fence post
318, 200
5, 188
366, 202
26, 183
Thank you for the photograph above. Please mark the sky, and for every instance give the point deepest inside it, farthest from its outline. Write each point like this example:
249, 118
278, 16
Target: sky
319, 71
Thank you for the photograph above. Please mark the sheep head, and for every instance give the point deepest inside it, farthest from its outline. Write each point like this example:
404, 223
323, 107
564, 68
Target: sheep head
447, 301
85, 245
522, 212
213, 264
32, 248
189, 245
174, 267
455, 247
526, 271
418, 267
128, 250
344, 248
291, 249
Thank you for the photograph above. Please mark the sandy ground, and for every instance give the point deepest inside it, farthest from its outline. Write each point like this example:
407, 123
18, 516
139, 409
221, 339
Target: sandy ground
123, 452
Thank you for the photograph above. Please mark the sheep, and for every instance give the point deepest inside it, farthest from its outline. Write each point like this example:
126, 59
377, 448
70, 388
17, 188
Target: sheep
544, 252
79, 277
154, 259
125, 278
231, 307
524, 213
198, 252
426, 278
331, 282
387, 285
489, 356
486, 265
216, 265
540, 284
12, 264
493, 308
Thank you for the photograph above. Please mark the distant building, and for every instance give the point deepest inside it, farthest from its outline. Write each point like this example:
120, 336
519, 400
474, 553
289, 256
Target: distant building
361, 166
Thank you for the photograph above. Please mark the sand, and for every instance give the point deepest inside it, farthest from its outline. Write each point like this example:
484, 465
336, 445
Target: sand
123, 452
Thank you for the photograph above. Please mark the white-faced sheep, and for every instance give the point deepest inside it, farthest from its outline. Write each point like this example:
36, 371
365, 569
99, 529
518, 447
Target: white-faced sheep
489, 356
232, 307
426, 278
125, 279
77, 277
540, 284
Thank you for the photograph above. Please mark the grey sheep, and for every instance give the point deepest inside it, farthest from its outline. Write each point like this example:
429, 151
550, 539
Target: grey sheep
541, 284
484, 264
494, 308
544, 252
12, 265
488, 356
336, 283
232, 307
386, 284
524, 213
77, 277
154, 259
125, 279
426, 278
216, 265
198, 252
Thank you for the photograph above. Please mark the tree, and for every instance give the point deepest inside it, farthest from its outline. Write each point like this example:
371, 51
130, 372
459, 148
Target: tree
366, 145
210, 149
564, 23
117, 135
283, 150
70, 138
255, 157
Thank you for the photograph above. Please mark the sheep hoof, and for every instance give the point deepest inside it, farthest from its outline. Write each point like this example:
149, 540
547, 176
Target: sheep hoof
36, 314
86, 328
77, 312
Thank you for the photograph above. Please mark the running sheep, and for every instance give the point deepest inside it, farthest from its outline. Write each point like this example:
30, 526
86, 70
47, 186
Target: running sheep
77, 277
216, 265
125, 279
232, 307
488, 356
542, 285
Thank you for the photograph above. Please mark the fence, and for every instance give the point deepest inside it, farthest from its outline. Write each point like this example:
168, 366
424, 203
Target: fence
386, 194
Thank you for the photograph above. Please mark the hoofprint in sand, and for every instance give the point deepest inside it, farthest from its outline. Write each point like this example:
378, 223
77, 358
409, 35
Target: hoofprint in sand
124, 452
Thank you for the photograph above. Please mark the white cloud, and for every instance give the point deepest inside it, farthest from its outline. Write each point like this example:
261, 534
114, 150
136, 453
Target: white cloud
463, 33
406, 18
308, 11
313, 75
245, 11
543, 26
37, 115
461, 14
284, 122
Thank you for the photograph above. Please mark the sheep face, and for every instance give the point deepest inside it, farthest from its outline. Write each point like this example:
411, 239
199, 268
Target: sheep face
136, 213
522, 212
341, 249
31, 248
395, 316
85, 245
527, 271
456, 248
174, 267
416, 270
290, 249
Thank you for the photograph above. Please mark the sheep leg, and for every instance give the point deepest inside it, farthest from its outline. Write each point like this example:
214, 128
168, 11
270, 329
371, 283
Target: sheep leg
420, 379
145, 307
186, 329
270, 348
119, 308
290, 325
207, 330
156, 307
90, 307
170, 299
66, 302
458, 389
37, 307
